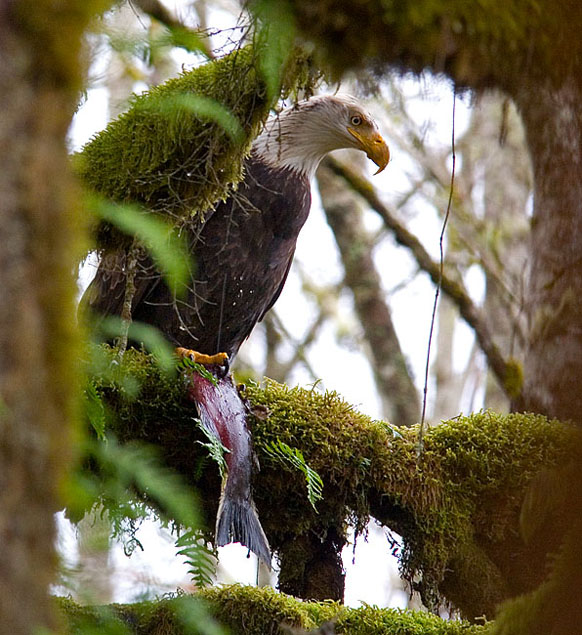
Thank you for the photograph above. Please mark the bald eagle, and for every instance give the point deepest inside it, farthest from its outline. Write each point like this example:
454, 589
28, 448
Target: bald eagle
243, 252
242, 255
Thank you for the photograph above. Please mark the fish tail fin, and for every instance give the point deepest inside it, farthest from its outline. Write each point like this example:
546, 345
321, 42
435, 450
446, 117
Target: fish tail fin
237, 521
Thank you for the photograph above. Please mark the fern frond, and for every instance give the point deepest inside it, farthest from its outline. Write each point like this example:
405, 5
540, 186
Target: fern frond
185, 363
199, 558
285, 454
95, 410
216, 450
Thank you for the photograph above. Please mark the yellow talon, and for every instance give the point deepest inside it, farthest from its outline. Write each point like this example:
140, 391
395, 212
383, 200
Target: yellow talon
219, 359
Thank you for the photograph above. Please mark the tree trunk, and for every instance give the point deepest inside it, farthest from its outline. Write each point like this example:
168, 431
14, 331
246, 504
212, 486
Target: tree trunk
498, 148
449, 385
312, 568
553, 361
39, 73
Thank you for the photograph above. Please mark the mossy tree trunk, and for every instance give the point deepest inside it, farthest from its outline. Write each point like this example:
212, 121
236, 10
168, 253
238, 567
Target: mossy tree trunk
39, 84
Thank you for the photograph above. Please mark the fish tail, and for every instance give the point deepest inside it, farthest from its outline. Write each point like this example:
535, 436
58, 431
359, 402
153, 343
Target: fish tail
237, 521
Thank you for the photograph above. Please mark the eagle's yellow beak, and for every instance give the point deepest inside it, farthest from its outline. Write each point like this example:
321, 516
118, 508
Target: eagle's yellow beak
373, 145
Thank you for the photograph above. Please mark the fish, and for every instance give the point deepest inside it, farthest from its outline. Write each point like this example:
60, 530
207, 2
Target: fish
224, 415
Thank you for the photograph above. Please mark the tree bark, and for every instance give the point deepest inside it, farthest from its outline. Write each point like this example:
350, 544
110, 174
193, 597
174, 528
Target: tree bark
494, 154
449, 385
39, 83
312, 567
553, 361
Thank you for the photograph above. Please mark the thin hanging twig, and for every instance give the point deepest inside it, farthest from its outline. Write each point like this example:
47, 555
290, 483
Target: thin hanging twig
126, 311
421, 430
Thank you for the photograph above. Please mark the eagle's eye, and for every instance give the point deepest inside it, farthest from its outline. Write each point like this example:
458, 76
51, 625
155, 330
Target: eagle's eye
356, 120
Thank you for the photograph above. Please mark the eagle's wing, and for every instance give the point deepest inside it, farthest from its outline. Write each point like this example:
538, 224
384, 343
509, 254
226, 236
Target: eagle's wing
277, 293
106, 293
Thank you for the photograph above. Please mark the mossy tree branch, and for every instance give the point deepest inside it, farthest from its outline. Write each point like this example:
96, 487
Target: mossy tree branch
492, 43
252, 611
179, 148
457, 511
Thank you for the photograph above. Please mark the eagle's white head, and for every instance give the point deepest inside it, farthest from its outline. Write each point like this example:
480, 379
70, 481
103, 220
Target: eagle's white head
300, 137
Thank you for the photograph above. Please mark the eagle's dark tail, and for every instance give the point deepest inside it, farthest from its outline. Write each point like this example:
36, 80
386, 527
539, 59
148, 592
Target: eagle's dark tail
237, 521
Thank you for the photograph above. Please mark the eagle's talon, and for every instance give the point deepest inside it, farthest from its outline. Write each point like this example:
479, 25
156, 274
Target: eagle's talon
224, 368
219, 359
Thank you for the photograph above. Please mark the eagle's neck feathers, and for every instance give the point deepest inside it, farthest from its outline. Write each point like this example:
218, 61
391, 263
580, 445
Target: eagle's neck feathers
301, 136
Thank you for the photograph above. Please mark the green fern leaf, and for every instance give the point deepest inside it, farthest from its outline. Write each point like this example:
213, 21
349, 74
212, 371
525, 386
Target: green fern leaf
198, 557
95, 410
285, 454
216, 450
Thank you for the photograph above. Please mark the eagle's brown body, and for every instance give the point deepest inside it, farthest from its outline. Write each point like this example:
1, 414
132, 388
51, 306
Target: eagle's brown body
241, 257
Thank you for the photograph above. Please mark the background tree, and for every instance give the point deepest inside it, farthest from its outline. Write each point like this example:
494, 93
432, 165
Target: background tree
40, 79
543, 81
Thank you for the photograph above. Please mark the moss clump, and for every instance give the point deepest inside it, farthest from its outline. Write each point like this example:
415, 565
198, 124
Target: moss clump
513, 378
253, 611
261, 610
344, 446
478, 44
370, 620
179, 147
457, 509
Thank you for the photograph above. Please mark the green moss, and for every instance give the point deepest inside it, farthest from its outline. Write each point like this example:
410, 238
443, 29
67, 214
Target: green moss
457, 509
257, 611
513, 378
172, 150
371, 620
337, 441
478, 44
260, 610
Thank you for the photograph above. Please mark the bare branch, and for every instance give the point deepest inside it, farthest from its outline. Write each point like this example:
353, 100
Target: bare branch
454, 289
130, 271
156, 10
